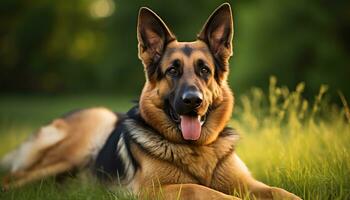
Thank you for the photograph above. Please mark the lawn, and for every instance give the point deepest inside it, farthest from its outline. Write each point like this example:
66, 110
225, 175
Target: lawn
286, 141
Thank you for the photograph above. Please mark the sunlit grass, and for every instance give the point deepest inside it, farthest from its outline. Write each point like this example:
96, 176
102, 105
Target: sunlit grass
286, 141
289, 142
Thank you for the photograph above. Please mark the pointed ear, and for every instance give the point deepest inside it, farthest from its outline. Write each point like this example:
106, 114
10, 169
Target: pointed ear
217, 33
153, 36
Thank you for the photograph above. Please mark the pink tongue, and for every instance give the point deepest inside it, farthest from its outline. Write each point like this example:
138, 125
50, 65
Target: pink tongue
190, 127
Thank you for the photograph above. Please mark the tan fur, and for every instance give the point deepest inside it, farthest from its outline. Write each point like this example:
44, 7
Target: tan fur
85, 132
200, 166
219, 96
225, 173
191, 164
169, 167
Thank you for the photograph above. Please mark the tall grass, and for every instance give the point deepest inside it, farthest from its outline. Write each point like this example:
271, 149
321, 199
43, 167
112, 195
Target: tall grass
286, 141
289, 142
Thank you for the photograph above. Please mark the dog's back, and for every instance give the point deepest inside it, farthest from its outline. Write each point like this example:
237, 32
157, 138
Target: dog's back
66, 143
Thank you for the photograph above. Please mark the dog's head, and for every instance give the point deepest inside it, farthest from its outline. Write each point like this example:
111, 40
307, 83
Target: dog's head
186, 96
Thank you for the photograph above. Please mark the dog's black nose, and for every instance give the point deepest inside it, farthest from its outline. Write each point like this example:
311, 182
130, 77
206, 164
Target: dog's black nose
192, 98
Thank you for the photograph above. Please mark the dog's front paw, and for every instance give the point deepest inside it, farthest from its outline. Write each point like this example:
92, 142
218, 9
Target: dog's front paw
281, 194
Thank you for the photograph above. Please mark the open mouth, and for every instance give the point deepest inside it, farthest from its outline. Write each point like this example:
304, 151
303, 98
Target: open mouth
189, 124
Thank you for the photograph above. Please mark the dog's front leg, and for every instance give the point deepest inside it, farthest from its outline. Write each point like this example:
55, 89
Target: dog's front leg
263, 192
185, 192
233, 174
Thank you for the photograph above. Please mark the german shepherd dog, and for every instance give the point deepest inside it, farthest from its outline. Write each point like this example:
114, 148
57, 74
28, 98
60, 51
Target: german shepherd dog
174, 144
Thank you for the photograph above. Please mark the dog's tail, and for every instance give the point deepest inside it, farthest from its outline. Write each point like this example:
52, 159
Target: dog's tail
31, 150
7, 160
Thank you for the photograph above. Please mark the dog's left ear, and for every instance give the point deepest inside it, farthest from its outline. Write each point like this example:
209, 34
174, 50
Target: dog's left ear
153, 36
217, 33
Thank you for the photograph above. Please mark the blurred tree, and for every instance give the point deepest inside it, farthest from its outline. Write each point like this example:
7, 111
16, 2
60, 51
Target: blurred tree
90, 45
295, 40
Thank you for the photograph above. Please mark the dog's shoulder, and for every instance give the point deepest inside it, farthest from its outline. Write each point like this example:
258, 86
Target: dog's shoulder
115, 159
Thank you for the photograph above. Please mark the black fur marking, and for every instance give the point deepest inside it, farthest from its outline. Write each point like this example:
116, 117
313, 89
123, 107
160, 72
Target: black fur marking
154, 71
113, 162
219, 69
155, 145
134, 114
127, 143
187, 50
108, 164
228, 131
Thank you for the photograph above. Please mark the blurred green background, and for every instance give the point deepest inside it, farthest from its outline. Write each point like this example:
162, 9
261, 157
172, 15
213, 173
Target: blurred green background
90, 46
56, 56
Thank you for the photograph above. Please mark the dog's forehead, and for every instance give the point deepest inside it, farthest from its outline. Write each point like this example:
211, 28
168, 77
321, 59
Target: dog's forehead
187, 48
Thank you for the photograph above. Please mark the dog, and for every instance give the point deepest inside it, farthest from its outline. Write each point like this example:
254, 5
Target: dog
174, 144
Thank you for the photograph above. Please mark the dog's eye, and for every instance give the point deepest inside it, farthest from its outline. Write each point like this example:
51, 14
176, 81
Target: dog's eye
173, 71
203, 68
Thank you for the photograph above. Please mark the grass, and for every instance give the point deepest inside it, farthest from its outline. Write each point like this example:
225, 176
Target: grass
287, 141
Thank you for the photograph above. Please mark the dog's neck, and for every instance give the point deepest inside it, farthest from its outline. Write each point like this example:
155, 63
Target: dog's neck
185, 156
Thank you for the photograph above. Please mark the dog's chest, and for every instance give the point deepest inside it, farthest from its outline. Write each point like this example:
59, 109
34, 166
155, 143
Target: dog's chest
183, 167
167, 163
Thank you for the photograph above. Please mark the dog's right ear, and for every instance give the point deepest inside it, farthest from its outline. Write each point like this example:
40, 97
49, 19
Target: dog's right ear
153, 36
217, 33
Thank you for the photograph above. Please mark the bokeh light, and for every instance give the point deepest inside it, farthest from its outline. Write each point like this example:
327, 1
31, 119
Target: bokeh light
102, 8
